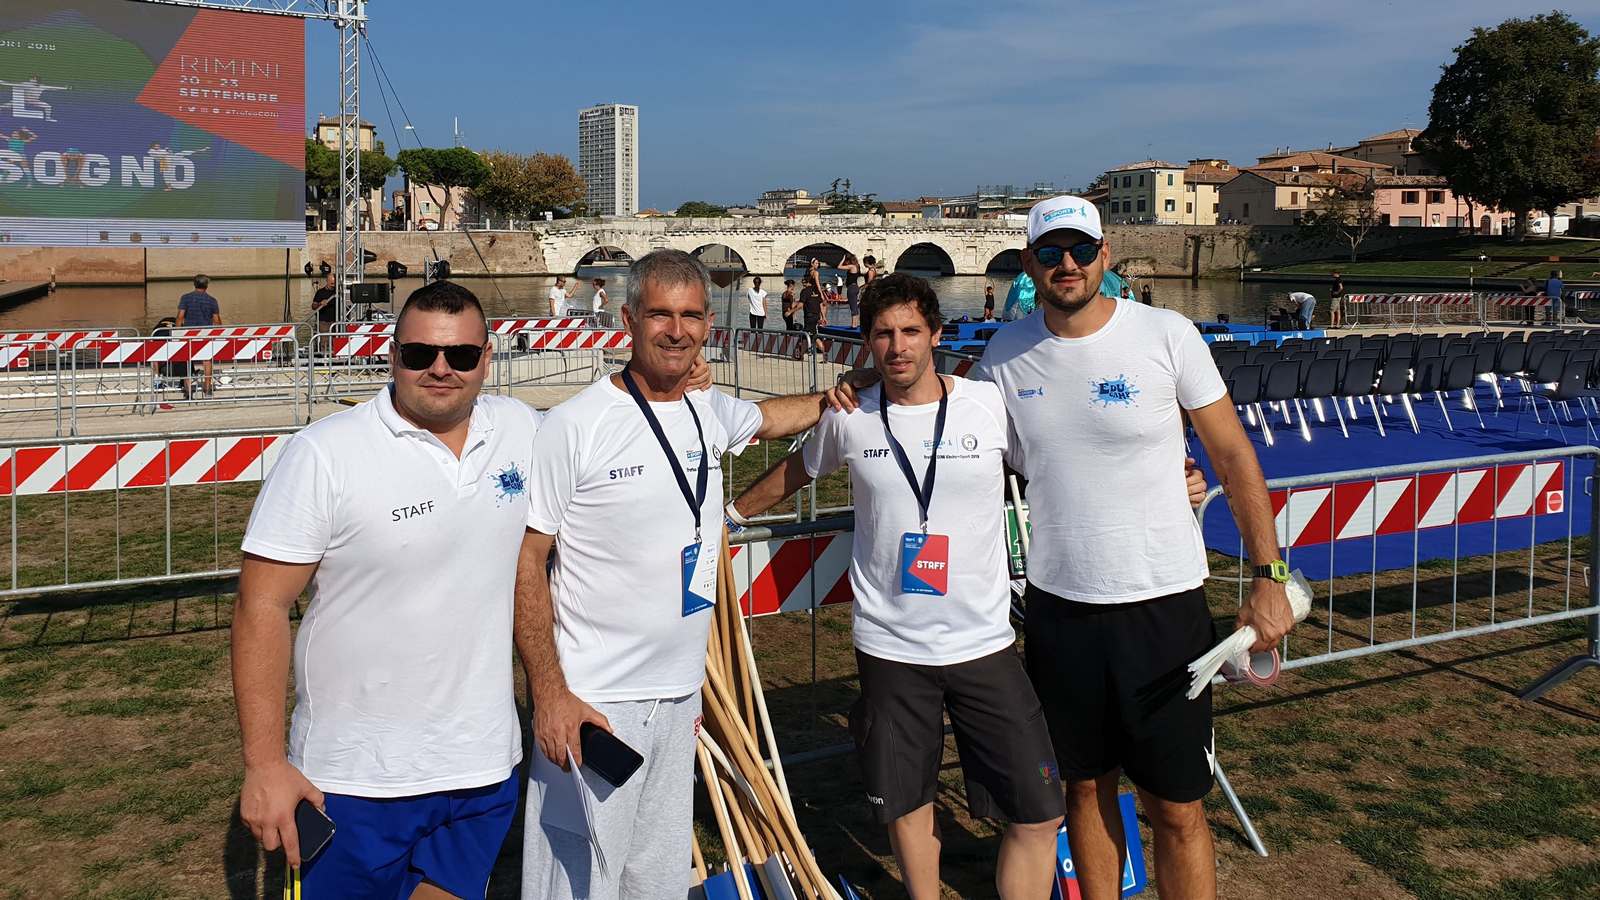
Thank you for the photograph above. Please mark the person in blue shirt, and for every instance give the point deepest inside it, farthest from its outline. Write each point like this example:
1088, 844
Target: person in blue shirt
1552, 289
198, 309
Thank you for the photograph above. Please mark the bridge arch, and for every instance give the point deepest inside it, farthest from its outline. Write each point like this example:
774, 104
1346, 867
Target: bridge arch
1007, 262
925, 256
602, 254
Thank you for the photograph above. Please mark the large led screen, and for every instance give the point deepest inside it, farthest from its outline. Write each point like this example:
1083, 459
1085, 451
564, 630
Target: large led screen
125, 123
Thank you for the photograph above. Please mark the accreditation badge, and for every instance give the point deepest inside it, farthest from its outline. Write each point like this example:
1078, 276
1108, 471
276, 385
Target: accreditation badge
699, 566
924, 563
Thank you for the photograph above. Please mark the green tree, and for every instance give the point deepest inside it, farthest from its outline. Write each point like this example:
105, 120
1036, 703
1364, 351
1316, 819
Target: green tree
376, 167
841, 205
699, 209
448, 169
1345, 210
1514, 118
521, 186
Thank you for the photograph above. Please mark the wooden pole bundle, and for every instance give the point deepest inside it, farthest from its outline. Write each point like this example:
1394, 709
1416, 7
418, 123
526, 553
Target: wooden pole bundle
749, 801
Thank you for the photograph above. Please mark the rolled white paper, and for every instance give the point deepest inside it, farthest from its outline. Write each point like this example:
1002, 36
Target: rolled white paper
1233, 652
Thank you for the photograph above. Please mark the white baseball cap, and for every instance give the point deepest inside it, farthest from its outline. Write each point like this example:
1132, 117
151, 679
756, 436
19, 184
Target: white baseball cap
1067, 212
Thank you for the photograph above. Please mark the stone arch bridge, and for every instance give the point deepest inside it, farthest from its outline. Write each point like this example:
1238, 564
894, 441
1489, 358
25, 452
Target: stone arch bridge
764, 245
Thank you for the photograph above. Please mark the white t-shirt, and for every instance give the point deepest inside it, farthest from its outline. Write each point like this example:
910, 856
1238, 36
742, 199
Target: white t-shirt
1097, 430
558, 300
758, 301
403, 662
601, 485
973, 618
599, 299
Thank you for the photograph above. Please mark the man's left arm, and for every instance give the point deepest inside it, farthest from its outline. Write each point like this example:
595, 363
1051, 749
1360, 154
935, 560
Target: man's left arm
785, 416
1234, 459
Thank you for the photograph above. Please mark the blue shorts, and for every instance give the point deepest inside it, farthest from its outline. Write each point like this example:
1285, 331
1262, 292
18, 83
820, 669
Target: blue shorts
385, 847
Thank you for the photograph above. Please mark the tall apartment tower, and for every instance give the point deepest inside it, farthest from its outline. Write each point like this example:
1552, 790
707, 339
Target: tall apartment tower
608, 158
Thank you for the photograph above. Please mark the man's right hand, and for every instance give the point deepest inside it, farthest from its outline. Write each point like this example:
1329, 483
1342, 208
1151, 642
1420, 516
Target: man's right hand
556, 723
267, 802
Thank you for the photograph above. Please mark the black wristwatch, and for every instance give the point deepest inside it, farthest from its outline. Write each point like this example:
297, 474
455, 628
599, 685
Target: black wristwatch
1277, 570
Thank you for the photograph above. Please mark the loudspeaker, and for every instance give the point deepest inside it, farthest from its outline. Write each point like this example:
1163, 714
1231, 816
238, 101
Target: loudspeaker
371, 292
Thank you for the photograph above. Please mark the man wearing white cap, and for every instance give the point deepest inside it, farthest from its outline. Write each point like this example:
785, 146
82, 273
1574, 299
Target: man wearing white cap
1097, 389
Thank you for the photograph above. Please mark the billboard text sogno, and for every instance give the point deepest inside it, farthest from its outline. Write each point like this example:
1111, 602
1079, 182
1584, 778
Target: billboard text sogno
137, 124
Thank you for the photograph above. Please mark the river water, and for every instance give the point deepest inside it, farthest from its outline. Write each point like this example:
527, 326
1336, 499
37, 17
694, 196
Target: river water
259, 300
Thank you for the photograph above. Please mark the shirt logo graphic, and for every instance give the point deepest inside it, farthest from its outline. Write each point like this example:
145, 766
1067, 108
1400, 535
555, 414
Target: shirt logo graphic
1117, 390
969, 442
510, 483
1030, 393
1049, 772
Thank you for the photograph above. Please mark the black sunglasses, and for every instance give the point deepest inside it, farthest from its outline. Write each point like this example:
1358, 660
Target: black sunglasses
1083, 254
461, 357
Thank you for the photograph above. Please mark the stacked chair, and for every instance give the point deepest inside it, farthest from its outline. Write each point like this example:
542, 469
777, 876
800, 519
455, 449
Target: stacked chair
1554, 373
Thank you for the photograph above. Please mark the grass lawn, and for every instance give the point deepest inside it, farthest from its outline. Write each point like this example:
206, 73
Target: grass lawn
1458, 257
1415, 774
1433, 267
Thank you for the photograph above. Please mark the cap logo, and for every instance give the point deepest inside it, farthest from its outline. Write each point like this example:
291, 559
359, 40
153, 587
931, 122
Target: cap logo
1055, 214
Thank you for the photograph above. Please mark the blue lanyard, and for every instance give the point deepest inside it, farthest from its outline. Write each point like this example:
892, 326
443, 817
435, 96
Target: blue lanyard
925, 492
696, 499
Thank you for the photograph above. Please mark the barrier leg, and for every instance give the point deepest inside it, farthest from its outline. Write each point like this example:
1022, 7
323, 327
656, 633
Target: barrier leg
1591, 658
1238, 811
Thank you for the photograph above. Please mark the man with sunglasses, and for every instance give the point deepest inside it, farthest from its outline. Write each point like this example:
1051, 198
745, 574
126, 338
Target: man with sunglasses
1097, 389
405, 517
627, 490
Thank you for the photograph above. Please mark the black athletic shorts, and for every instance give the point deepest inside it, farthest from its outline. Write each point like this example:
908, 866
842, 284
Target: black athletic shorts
1112, 677
1004, 744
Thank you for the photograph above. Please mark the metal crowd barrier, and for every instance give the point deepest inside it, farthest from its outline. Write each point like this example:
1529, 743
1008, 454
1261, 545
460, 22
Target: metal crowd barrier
1345, 523
31, 379
127, 511
1444, 308
563, 356
140, 374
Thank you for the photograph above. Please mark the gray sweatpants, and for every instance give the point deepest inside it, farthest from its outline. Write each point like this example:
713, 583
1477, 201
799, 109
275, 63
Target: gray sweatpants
644, 827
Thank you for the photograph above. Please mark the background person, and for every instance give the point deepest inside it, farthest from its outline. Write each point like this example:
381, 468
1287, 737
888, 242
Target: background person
757, 298
602, 316
559, 296
852, 287
791, 306
627, 489
404, 515
1305, 308
988, 303
198, 309
1553, 287
1336, 302
326, 303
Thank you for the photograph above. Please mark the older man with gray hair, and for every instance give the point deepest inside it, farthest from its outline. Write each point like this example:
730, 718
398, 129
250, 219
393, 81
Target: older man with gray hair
627, 490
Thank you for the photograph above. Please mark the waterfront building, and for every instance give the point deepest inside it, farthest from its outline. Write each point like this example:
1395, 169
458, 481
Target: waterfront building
898, 210
608, 158
1202, 182
788, 202
1145, 192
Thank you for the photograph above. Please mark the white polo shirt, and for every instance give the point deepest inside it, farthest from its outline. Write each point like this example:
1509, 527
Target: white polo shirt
403, 662
1098, 431
973, 618
602, 486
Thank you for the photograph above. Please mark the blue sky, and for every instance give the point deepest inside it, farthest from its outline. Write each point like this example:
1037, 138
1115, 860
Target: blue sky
907, 98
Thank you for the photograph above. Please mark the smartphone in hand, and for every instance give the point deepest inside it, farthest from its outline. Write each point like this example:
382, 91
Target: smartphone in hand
607, 756
315, 829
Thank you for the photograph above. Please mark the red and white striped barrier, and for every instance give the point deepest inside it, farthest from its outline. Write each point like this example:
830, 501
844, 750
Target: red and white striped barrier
783, 575
953, 363
1509, 299
1445, 299
575, 339
282, 330
854, 356
496, 326
17, 347
1360, 509
510, 326
102, 467
779, 343
159, 350
65, 340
